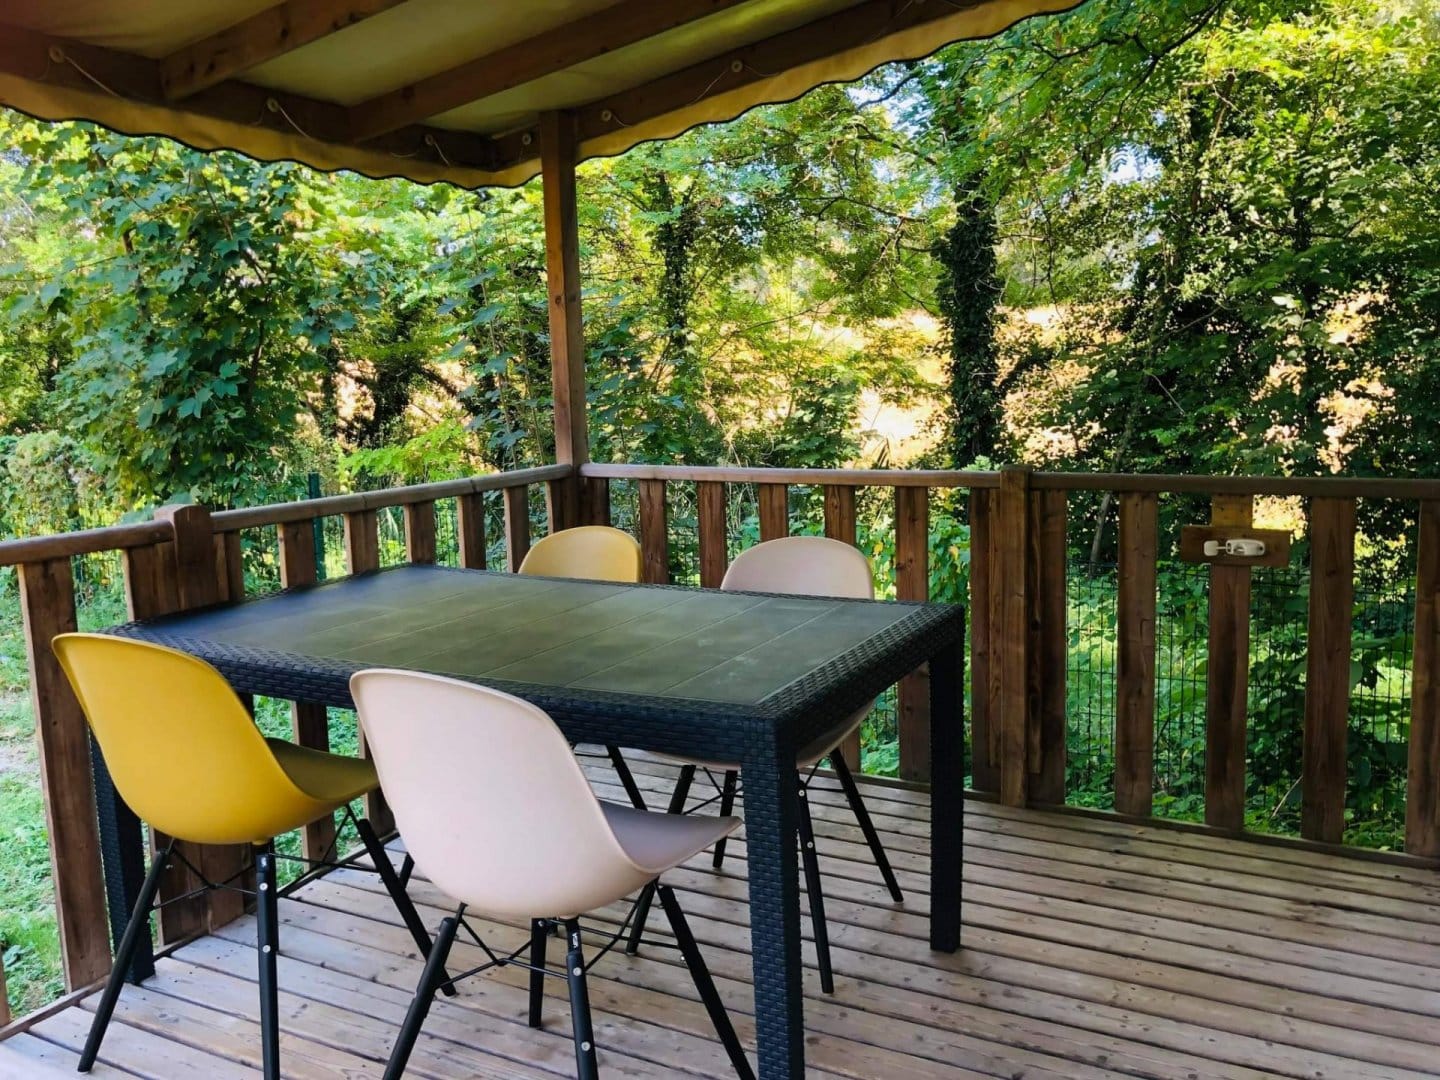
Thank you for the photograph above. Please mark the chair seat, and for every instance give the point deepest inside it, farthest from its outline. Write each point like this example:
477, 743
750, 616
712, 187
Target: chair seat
811, 755
327, 778
658, 842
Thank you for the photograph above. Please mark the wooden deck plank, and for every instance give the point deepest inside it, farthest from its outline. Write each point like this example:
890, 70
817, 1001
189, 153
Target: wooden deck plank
1092, 949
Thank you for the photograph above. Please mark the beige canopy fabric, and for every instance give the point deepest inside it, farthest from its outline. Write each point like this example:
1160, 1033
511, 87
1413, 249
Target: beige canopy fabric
449, 89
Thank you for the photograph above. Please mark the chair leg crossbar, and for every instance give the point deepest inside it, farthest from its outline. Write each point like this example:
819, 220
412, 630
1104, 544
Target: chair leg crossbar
267, 932
577, 966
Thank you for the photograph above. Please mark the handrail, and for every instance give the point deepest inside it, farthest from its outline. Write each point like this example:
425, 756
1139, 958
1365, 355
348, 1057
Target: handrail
737, 474
34, 549
252, 517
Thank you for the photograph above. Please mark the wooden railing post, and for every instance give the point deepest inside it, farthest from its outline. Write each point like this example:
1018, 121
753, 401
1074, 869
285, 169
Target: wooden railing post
47, 603
362, 555
714, 535
840, 525
595, 500
654, 532
1135, 656
470, 530
309, 720
517, 526
1228, 676
1327, 668
420, 533
774, 511
1422, 792
1049, 646
984, 733
1010, 631
912, 582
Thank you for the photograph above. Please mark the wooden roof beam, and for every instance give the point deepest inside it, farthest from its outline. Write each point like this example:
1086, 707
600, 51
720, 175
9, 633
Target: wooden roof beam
847, 29
615, 27
264, 36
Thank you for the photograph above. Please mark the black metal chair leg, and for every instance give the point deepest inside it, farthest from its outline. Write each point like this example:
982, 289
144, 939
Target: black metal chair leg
862, 815
267, 944
627, 778
398, 896
430, 979
727, 806
704, 983
406, 869
539, 931
139, 924
647, 894
586, 1066
813, 889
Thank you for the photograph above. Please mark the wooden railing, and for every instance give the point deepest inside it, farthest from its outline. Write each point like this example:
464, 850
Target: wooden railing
1019, 634
188, 557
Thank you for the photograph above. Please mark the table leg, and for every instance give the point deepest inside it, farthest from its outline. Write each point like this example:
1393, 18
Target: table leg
771, 819
122, 854
947, 795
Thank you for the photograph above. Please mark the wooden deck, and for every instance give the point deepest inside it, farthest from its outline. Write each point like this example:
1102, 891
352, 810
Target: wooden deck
1092, 949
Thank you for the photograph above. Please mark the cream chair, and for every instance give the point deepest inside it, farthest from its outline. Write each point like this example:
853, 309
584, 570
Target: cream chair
809, 566
496, 812
595, 552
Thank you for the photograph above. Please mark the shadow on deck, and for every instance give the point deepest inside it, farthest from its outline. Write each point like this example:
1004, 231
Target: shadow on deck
1091, 948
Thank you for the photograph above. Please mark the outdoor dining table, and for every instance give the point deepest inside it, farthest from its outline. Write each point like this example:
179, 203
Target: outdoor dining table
695, 672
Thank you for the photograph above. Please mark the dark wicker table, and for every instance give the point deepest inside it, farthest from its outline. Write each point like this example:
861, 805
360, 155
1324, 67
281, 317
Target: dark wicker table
712, 675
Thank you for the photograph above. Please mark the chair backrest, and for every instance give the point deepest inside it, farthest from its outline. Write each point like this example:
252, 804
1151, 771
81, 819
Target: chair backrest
489, 797
804, 565
181, 748
596, 552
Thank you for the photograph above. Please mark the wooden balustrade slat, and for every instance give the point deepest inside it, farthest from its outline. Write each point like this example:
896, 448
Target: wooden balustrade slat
774, 511
912, 582
1049, 646
562, 503
1422, 792
309, 720
470, 530
1135, 655
984, 749
420, 533
47, 604
1327, 669
654, 532
714, 533
362, 554
839, 500
1227, 676
230, 561
595, 497
1009, 629
517, 527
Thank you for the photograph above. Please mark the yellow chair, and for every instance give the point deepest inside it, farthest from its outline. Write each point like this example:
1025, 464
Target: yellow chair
186, 756
594, 552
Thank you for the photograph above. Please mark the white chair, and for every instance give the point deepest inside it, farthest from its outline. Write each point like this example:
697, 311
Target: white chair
496, 812
809, 566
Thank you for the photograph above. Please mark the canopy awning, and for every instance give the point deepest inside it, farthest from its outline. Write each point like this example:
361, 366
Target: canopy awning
448, 89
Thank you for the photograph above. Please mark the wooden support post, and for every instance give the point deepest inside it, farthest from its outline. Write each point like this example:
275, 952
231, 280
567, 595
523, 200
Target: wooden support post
1422, 791
420, 533
1327, 668
47, 604
984, 734
840, 525
362, 555
774, 511
470, 530
1228, 675
595, 495
654, 533
912, 582
1010, 631
1135, 656
309, 720
714, 536
567, 335
1049, 646
517, 526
